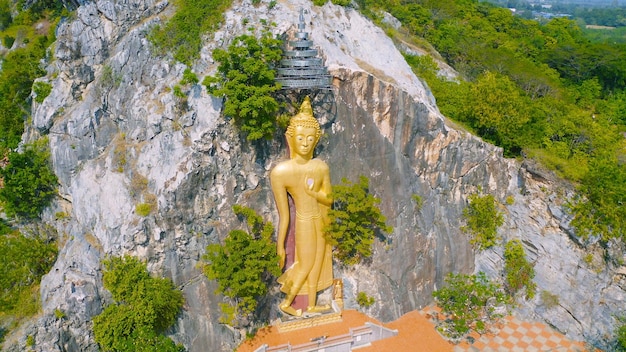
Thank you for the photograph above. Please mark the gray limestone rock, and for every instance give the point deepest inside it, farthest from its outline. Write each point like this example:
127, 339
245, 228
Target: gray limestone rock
119, 137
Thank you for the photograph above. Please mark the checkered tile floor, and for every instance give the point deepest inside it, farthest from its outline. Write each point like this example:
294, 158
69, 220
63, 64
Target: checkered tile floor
521, 336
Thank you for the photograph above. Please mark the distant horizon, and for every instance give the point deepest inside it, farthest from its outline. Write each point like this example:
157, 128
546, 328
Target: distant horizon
604, 3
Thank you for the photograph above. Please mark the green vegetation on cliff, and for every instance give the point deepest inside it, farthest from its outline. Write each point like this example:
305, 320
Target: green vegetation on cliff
29, 182
620, 335
21, 65
363, 300
182, 34
24, 260
244, 266
245, 78
483, 219
355, 220
469, 303
519, 272
144, 307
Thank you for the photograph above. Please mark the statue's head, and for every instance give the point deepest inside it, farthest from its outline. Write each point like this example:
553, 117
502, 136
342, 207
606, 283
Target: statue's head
303, 125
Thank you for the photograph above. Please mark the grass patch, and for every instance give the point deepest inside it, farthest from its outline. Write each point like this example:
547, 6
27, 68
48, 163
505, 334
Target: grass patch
364, 300
143, 209
120, 148
182, 34
549, 299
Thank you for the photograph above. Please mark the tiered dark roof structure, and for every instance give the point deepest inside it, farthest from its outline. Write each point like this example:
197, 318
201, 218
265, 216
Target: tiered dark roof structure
300, 67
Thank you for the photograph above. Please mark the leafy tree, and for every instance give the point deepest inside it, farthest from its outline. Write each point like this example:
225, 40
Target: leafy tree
483, 220
23, 261
143, 209
611, 68
519, 272
144, 307
29, 182
586, 93
245, 265
468, 301
246, 79
563, 32
355, 220
575, 63
19, 69
415, 17
614, 107
501, 113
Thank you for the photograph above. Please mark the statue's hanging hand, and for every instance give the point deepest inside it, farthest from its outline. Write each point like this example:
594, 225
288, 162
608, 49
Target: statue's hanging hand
281, 256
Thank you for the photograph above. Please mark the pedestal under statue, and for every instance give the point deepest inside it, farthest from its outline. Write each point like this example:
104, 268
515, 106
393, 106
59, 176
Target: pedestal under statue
307, 181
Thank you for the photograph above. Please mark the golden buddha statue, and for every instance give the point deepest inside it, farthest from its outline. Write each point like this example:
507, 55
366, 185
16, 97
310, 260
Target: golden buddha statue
307, 181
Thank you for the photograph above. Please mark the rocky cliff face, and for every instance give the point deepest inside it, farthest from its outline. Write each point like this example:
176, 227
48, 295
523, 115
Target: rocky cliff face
119, 138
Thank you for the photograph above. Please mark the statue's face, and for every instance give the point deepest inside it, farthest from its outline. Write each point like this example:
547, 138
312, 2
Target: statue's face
304, 141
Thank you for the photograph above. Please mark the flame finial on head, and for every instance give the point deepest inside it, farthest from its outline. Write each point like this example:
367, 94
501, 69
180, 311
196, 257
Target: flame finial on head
306, 108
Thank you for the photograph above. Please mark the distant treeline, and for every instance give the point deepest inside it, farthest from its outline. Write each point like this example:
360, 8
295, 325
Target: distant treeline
613, 17
600, 13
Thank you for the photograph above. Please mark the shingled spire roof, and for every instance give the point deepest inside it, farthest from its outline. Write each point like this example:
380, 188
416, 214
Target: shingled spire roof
300, 67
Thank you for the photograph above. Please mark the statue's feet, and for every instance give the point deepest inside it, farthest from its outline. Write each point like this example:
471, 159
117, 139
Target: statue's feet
288, 309
317, 309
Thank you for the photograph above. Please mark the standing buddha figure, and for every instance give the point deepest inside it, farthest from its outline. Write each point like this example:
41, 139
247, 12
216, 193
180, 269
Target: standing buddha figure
307, 181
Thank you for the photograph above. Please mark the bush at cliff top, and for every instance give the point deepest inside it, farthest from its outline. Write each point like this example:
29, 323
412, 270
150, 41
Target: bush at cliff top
29, 182
600, 208
182, 34
355, 220
144, 307
244, 265
245, 77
